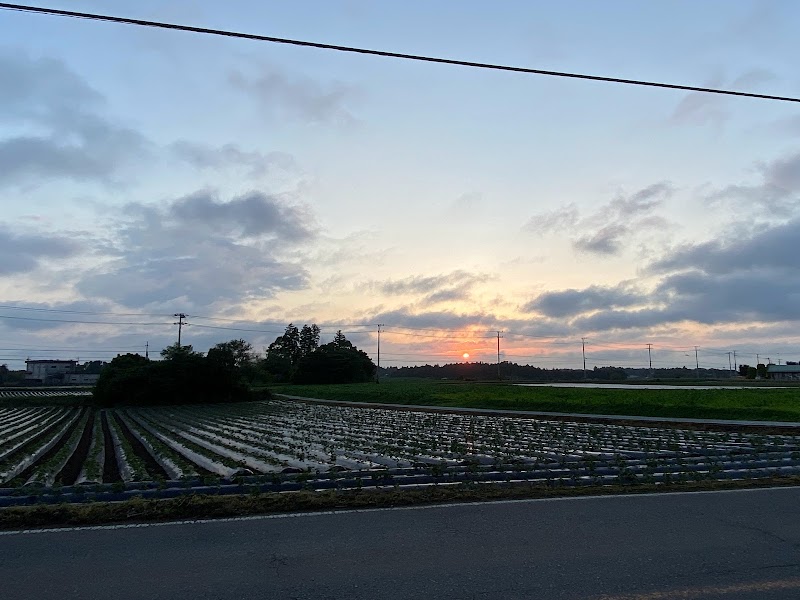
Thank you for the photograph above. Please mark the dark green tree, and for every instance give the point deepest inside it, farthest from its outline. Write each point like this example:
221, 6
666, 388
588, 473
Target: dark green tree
340, 341
183, 376
239, 352
309, 339
177, 352
335, 363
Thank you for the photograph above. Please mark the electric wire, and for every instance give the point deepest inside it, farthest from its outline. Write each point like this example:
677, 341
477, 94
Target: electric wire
384, 53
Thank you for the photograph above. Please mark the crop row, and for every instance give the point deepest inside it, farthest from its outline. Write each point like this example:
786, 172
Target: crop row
28, 393
46, 450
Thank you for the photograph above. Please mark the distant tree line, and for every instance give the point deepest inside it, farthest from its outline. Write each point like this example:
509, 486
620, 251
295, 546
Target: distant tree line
229, 371
9, 377
183, 376
514, 371
759, 371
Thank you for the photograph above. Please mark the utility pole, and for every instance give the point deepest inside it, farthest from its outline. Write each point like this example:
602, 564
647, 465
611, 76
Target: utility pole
696, 364
729, 361
181, 317
583, 351
498, 355
735, 364
378, 370
757, 361
147, 349
650, 358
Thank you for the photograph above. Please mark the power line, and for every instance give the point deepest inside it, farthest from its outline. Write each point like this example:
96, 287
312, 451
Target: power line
79, 312
79, 321
277, 324
383, 53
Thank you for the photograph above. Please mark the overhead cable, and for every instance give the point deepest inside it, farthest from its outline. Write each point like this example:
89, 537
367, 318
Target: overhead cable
384, 53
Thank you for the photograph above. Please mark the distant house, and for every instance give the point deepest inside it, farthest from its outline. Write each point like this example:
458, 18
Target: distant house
60, 372
48, 372
81, 378
783, 372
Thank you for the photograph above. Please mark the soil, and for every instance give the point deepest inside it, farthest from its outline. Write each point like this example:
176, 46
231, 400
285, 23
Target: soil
72, 469
23, 476
154, 470
110, 467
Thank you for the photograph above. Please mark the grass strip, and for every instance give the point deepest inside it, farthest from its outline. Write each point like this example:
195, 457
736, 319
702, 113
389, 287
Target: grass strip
194, 506
749, 404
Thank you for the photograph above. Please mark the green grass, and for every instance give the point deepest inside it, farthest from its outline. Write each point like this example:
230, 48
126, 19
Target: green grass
744, 404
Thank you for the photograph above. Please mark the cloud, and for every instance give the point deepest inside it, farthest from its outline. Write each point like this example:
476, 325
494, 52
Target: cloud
199, 250
567, 303
612, 225
61, 130
783, 173
24, 252
433, 289
753, 78
641, 201
701, 108
40, 316
787, 126
252, 215
407, 318
560, 219
749, 276
297, 97
774, 195
606, 241
258, 164
766, 247
429, 284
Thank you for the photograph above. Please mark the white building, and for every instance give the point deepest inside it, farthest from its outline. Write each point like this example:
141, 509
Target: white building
48, 371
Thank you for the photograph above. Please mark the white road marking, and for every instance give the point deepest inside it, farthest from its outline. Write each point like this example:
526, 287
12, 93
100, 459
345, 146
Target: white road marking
348, 511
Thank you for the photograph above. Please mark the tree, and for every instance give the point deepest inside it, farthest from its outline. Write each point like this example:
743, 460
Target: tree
177, 352
335, 363
309, 339
239, 352
124, 381
287, 349
339, 341
761, 370
3, 374
184, 376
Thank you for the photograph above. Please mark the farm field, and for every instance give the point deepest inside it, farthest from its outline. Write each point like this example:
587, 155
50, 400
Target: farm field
749, 404
56, 454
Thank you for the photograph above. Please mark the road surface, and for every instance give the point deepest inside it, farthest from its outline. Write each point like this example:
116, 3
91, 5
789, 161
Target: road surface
718, 545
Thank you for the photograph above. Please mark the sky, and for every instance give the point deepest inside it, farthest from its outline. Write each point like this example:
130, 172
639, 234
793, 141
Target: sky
145, 173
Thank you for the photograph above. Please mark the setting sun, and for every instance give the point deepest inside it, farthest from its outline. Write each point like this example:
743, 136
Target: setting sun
465, 355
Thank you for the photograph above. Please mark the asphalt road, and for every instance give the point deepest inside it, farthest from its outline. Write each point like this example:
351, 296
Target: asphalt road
716, 545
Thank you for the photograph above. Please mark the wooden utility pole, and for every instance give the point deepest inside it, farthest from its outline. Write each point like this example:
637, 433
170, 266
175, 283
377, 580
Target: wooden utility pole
583, 351
650, 358
180, 324
378, 370
498, 355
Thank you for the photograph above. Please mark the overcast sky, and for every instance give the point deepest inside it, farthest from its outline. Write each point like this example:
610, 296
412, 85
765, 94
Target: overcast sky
146, 172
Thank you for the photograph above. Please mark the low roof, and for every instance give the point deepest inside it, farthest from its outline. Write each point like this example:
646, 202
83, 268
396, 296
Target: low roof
783, 368
51, 361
